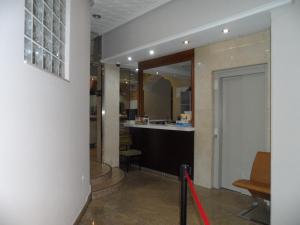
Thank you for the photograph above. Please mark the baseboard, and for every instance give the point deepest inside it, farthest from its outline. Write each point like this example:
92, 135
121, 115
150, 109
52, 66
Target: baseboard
78, 219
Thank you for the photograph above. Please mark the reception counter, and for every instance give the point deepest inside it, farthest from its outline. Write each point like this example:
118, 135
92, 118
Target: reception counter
160, 127
164, 147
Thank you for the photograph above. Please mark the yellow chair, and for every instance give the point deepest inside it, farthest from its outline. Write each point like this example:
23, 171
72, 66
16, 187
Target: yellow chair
259, 187
260, 179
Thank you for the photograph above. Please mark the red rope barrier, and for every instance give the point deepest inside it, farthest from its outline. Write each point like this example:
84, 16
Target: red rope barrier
196, 199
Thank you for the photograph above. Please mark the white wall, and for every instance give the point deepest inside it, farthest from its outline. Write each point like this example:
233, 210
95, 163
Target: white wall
285, 197
44, 126
111, 119
171, 19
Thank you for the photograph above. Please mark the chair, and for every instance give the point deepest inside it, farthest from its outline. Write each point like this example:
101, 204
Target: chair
127, 153
259, 187
260, 179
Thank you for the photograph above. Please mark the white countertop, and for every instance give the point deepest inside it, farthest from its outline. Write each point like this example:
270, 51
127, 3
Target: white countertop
160, 127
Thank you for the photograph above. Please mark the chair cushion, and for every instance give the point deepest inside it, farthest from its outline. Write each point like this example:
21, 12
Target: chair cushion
253, 186
131, 152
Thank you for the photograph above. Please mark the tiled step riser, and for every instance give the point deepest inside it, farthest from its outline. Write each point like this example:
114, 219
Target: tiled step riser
100, 173
107, 191
113, 181
102, 178
110, 185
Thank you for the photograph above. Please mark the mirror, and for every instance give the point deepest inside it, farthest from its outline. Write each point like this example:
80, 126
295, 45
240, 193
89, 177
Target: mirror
168, 92
128, 93
166, 88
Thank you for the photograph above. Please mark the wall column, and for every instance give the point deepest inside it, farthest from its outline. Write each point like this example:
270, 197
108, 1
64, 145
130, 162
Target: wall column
285, 122
110, 115
99, 114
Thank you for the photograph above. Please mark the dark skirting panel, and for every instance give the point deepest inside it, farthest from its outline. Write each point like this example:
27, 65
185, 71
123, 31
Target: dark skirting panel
164, 150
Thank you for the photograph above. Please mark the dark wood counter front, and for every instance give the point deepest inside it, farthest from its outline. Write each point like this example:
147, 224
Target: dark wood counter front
164, 150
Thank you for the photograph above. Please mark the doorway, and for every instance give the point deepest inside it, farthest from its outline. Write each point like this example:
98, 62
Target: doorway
240, 122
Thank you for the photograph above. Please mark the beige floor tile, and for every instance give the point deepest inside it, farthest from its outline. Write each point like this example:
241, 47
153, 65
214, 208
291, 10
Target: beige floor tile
146, 199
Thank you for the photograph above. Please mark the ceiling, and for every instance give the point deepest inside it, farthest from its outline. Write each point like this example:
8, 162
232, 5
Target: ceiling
117, 12
198, 37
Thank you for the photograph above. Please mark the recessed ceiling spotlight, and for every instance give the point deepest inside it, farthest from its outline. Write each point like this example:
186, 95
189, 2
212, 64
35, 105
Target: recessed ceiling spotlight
97, 16
137, 69
129, 58
225, 31
186, 42
151, 52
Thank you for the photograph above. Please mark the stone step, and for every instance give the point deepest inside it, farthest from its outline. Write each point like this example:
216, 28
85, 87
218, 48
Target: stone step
100, 173
109, 185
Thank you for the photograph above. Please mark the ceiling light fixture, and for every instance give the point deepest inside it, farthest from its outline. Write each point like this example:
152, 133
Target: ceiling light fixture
129, 58
186, 42
137, 69
97, 16
225, 31
151, 52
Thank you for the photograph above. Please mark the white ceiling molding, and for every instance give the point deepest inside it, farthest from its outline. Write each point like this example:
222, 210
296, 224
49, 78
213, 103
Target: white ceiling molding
114, 13
253, 20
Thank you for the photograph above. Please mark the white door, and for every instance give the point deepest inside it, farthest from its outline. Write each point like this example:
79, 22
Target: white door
243, 108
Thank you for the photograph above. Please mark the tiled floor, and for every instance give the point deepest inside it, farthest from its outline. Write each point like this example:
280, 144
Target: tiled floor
146, 199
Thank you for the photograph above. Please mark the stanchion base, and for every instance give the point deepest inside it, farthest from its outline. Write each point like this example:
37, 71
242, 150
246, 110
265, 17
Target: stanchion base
259, 213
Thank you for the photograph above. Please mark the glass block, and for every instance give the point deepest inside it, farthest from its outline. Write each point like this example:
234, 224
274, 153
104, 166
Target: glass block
28, 24
37, 56
55, 66
55, 25
49, 3
62, 51
56, 6
62, 32
38, 9
37, 32
27, 50
55, 47
47, 61
48, 18
47, 40
62, 14
61, 70
63, 2
28, 5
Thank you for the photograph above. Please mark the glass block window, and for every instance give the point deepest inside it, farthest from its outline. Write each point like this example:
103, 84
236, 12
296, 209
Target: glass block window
44, 35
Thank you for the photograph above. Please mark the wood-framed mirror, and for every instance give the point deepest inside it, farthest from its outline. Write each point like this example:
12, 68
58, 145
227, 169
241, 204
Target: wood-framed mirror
166, 87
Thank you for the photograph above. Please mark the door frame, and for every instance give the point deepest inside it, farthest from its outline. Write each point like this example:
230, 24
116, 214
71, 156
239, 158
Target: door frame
218, 77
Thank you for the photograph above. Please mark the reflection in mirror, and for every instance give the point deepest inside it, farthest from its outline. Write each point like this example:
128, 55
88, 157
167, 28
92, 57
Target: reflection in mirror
128, 93
167, 92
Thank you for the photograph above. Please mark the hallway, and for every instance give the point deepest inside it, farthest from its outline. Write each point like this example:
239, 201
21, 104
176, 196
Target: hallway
146, 199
